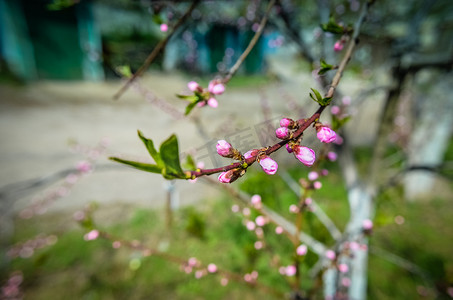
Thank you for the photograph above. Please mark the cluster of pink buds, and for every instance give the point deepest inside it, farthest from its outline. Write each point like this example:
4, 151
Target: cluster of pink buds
215, 88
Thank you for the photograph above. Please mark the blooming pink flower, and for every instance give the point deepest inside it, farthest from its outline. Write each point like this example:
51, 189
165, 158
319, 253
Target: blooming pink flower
367, 224
343, 268
193, 86
269, 165
332, 156
212, 102
338, 46
212, 268
224, 148
313, 175
282, 133
301, 250
330, 254
305, 155
326, 135
163, 27
286, 122
215, 87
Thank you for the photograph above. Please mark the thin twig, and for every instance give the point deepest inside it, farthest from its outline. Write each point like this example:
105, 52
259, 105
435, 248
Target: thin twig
147, 251
303, 123
317, 210
152, 56
252, 43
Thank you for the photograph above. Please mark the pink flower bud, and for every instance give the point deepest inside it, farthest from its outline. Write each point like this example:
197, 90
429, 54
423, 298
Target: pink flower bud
301, 250
324, 172
216, 88
282, 133
212, 102
308, 201
338, 46
212, 268
346, 100
260, 221
286, 122
332, 156
367, 224
258, 245
305, 155
269, 165
290, 270
193, 86
201, 103
293, 209
192, 262
224, 281
224, 148
317, 185
343, 268
92, 235
278, 230
326, 135
235, 208
335, 110
346, 282
288, 148
330, 254
251, 153
163, 27
313, 175
250, 225
338, 140
226, 177
83, 166
256, 199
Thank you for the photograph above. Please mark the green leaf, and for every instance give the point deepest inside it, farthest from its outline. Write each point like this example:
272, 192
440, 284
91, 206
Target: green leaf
190, 107
190, 98
338, 123
169, 152
325, 101
190, 163
124, 71
325, 67
138, 165
332, 27
318, 97
152, 151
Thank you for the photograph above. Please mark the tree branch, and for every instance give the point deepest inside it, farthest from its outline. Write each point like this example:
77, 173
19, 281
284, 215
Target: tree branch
158, 49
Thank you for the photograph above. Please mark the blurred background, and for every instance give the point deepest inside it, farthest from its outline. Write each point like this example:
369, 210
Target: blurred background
59, 63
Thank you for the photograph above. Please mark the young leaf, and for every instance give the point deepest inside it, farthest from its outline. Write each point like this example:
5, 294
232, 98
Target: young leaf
317, 94
190, 163
152, 151
325, 67
190, 98
124, 71
138, 165
190, 107
332, 27
325, 101
169, 153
